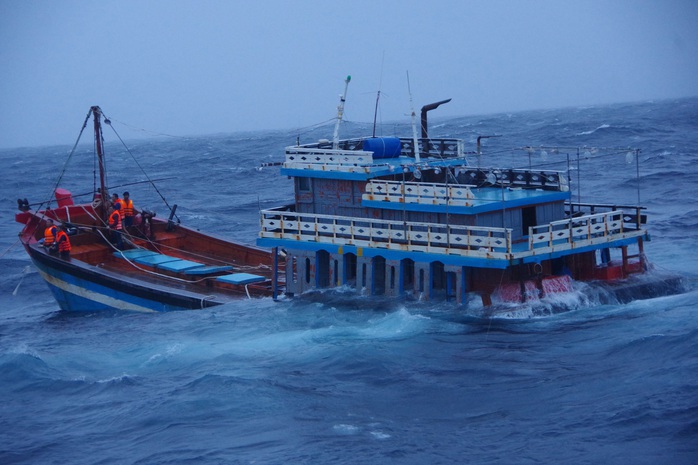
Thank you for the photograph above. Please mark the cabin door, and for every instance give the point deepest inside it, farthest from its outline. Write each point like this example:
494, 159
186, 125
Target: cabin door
528, 219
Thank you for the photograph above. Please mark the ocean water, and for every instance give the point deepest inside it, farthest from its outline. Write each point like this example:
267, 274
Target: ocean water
345, 379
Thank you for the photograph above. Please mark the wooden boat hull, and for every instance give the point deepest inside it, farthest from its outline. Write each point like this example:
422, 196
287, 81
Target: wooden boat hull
98, 277
77, 286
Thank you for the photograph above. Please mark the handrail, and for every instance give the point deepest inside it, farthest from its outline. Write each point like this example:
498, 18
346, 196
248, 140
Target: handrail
461, 240
577, 230
397, 235
419, 192
351, 149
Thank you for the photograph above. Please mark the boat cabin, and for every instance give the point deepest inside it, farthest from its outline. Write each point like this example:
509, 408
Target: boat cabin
406, 216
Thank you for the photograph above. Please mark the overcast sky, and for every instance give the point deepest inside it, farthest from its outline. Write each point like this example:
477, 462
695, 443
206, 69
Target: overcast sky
207, 66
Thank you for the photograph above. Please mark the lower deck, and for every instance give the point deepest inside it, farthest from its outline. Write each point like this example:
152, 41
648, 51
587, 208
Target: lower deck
429, 278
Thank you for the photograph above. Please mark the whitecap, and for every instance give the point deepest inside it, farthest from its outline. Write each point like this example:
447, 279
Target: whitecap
345, 429
380, 435
586, 133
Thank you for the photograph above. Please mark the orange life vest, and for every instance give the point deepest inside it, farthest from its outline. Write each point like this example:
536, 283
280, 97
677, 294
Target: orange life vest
49, 236
115, 220
127, 207
63, 241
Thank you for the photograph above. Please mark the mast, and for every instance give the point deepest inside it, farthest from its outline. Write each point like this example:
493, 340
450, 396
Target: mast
415, 141
97, 113
340, 113
375, 113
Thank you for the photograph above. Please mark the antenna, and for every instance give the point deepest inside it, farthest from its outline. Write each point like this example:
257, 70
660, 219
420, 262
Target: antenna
340, 113
415, 140
378, 96
375, 112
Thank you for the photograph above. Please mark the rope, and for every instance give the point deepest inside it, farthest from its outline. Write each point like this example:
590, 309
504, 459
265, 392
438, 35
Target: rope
149, 131
70, 155
65, 167
108, 122
9, 248
174, 278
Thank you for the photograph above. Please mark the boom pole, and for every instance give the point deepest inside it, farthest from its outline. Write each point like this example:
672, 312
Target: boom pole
340, 113
104, 194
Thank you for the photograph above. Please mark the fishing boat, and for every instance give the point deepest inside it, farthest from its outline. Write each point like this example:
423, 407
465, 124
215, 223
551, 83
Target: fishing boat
161, 264
413, 217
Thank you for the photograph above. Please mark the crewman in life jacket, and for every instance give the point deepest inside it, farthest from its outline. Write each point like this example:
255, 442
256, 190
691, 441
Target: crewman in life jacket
115, 225
50, 235
63, 242
127, 210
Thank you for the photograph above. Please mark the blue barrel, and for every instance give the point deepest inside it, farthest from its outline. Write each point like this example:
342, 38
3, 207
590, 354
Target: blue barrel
383, 147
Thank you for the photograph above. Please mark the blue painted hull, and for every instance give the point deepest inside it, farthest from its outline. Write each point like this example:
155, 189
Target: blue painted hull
77, 287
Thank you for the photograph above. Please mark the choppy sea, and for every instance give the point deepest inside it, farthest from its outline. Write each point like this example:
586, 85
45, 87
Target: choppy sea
346, 379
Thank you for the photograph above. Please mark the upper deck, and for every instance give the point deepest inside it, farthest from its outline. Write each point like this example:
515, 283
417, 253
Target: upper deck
362, 159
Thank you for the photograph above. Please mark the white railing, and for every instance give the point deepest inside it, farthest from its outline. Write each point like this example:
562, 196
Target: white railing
470, 241
580, 231
396, 235
350, 155
306, 157
419, 192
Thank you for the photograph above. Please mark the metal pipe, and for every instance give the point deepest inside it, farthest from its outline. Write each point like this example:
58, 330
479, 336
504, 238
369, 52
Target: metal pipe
427, 108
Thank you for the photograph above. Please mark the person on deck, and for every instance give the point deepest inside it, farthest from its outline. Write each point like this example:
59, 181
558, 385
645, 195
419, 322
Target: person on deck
63, 242
127, 210
115, 200
50, 234
115, 225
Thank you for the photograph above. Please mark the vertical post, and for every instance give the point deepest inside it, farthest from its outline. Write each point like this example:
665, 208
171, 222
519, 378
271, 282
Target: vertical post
579, 181
275, 276
340, 113
569, 179
97, 113
415, 142
637, 170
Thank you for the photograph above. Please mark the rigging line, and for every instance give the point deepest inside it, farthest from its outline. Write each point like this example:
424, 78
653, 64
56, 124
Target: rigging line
65, 167
307, 129
77, 196
70, 155
139, 166
2, 255
149, 131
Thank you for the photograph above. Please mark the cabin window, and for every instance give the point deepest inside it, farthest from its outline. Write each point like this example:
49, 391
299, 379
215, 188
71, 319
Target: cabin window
528, 219
304, 184
363, 274
392, 277
307, 271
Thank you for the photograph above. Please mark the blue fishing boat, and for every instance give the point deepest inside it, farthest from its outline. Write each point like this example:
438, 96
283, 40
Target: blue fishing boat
158, 265
414, 217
